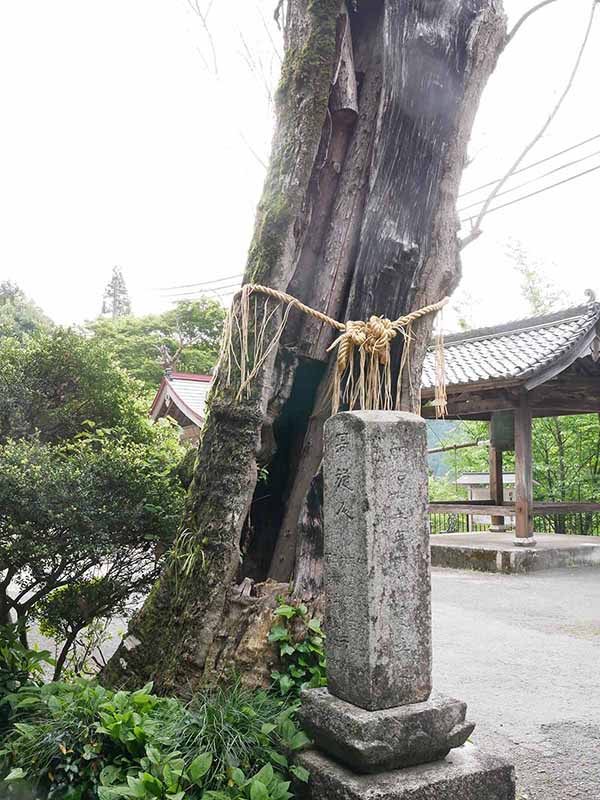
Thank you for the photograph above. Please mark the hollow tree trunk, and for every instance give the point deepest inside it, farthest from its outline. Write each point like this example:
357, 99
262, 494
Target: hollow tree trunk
374, 111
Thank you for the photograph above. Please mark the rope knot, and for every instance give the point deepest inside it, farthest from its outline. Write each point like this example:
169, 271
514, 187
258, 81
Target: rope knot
369, 341
379, 333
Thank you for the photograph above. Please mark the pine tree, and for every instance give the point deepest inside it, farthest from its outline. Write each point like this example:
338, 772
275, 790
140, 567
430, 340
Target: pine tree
116, 300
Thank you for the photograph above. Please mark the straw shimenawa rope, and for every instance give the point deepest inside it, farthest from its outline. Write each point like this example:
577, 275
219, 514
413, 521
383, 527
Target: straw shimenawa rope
361, 345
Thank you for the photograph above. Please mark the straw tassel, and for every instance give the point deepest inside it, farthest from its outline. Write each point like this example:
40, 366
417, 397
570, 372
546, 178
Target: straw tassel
365, 345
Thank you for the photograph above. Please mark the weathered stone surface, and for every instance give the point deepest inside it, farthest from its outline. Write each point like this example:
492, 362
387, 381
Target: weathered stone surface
467, 774
374, 741
377, 581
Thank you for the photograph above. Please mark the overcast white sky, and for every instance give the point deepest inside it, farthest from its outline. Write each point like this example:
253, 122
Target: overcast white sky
119, 146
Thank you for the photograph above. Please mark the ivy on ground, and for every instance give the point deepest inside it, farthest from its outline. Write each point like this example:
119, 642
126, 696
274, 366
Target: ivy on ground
301, 643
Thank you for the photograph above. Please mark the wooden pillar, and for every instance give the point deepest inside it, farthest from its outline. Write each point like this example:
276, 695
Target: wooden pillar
523, 474
496, 487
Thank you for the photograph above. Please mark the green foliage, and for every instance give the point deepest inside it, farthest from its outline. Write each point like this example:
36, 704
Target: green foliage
19, 316
301, 644
566, 458
540, 293
187, 337
20, 668
445, 488
244, 730
53, 383
79, 525
89, 490
81, 741
565, 455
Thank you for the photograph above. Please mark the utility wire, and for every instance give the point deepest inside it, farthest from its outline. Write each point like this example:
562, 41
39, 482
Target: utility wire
534, 180
535, 164
200, 283
476, 226
539, 191
204, 291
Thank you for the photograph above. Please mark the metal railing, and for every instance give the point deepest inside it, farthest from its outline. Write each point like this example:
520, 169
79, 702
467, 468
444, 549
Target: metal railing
578, 524
453, 523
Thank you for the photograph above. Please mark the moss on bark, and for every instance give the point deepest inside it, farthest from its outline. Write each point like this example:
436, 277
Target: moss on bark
170, 639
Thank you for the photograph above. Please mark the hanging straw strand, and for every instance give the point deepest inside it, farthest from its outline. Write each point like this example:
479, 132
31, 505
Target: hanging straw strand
371, 340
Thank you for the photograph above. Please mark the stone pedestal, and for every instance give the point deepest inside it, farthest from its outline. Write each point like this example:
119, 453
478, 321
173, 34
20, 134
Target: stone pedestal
378, 732
373, 741
467, 774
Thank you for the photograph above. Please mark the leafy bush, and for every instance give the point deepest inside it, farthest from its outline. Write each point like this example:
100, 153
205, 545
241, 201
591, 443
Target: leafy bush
79, 525
301, 644
19, 668
81, 741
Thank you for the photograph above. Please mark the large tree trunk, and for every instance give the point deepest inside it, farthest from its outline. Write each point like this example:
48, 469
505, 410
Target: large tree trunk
374, 112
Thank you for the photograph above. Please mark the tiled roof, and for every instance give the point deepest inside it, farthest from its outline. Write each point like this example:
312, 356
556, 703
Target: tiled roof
187, 391
483, 478
516, 351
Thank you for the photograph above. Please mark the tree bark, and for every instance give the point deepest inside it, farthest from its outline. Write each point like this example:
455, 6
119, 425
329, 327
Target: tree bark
374, 112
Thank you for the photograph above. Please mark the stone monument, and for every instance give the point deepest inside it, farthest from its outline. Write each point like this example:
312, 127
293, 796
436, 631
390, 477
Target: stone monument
379, 732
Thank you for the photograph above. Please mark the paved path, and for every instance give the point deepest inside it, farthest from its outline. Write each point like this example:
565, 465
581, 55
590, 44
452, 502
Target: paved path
524, 652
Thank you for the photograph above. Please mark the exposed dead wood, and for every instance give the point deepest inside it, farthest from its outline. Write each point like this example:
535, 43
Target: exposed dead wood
375, 109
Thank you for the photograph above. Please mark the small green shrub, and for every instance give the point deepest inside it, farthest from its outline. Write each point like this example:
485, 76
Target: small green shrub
301, 644
19, 667
244, 729
80, 741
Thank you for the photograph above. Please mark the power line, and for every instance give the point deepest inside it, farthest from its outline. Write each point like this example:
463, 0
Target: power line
200, 292
201, 283
539, 191
534, 180
535, 164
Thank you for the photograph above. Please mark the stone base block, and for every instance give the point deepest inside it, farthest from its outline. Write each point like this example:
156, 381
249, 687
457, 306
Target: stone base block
374, 741
467, 774
521, 541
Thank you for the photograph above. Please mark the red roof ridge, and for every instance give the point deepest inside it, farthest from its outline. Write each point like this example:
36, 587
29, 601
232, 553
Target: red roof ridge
192, 376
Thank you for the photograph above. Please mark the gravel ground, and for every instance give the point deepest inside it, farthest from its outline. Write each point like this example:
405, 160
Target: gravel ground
524, 652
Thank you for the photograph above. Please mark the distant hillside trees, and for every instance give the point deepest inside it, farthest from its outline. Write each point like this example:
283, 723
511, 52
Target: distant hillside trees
19, 316
185, 338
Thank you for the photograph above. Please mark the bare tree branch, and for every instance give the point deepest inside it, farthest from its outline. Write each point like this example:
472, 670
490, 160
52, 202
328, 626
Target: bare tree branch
276, 50
476, 227
203, 17
252, 150
525, 17
256, 67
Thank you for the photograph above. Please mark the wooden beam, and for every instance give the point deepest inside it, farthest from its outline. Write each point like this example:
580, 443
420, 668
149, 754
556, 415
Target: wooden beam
496, 487
563, 411
475, 405
542, 509
471, 508
523, 476
428, 393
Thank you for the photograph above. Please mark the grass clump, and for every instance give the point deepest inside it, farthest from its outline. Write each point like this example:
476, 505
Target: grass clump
81, 741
